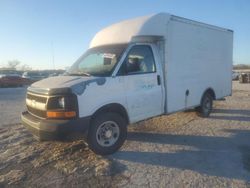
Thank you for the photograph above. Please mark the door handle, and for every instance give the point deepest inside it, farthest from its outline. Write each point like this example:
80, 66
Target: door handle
158, 80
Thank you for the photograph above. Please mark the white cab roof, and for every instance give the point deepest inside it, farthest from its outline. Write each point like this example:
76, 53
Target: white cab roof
122, 32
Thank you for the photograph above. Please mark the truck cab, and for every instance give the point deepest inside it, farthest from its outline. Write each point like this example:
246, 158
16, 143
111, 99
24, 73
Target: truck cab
115, 84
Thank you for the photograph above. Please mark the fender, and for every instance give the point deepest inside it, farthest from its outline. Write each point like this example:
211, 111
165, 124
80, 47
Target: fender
113, 107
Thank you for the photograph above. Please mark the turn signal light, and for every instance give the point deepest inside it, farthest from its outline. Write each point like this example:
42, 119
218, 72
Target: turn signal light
53, 114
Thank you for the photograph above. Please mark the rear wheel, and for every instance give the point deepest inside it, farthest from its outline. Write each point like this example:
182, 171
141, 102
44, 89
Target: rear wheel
107, 133
206, 106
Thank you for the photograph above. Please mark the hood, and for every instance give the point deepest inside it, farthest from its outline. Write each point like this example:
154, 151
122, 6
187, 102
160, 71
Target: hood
64, 84
59, 81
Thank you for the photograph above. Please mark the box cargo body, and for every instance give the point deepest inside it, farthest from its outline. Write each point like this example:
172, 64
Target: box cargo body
134, 70
197, 57
194, 56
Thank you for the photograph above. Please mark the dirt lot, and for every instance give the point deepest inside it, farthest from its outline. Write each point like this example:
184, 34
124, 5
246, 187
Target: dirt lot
179, 150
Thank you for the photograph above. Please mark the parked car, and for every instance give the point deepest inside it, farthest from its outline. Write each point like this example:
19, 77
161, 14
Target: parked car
235, 75
34, 76
133, 70
244, 77
12, 80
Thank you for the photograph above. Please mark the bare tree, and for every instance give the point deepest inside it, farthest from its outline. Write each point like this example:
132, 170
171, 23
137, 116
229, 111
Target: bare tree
13, 64
24, 67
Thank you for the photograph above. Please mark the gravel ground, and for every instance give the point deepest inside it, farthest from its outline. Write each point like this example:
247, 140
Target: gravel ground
179, 150
12, 103
241, 86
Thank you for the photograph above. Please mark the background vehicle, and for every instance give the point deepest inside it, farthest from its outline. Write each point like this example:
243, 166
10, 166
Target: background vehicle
134, 70
34, 76
235, 75
12, 80
244, 77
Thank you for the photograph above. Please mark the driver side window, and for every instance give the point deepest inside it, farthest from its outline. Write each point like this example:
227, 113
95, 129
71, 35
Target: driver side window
138, 61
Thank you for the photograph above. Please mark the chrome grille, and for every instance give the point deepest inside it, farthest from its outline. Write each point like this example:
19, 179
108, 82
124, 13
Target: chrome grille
38, 98
36, 104
36, 112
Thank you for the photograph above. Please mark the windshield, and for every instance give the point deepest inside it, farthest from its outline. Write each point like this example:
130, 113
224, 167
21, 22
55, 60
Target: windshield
99, 61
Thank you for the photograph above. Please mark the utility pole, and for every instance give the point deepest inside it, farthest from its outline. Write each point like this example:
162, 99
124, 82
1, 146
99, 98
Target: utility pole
52, 53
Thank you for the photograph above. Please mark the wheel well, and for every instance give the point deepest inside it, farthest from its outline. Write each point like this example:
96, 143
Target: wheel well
115, 108
211, 92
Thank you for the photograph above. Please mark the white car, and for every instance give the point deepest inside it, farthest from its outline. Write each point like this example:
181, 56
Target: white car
235, 76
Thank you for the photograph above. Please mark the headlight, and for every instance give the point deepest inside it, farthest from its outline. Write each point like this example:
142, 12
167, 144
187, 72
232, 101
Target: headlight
62, 107
61, 102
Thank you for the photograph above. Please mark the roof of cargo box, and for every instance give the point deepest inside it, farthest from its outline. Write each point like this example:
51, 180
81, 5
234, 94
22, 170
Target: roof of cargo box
123, 32
152, 25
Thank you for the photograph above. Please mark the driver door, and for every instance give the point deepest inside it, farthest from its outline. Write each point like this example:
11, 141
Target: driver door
142, 85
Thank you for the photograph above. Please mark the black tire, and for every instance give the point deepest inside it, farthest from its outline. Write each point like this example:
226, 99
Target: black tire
94, 138
206, 106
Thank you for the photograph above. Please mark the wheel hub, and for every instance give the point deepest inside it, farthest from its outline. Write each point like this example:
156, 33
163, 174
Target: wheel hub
208, 105
107, 133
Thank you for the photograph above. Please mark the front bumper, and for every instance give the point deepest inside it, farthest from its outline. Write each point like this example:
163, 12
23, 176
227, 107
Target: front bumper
44, 129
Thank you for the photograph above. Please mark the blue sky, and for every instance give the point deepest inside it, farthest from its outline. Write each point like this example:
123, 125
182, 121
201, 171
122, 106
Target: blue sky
29, 28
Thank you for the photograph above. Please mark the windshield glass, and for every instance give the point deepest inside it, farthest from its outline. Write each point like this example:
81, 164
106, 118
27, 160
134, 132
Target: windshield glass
99, 61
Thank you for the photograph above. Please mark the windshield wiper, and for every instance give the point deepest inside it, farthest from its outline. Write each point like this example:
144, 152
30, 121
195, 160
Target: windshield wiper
79, 74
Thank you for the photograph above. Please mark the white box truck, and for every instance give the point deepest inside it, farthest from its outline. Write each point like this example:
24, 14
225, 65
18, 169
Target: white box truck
134, 70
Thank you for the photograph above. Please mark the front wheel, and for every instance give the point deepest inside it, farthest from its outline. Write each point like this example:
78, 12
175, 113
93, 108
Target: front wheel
107, 133
206, 106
